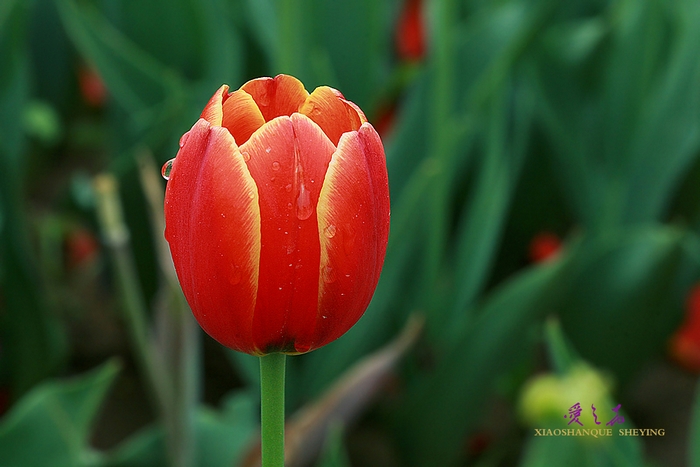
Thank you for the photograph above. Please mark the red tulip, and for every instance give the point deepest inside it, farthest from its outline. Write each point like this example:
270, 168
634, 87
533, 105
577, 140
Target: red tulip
92, 87
544, 246
277, 216
81, 247
684, 346
410, 31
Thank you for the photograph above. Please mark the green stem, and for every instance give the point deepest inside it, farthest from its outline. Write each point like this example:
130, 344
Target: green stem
272, 409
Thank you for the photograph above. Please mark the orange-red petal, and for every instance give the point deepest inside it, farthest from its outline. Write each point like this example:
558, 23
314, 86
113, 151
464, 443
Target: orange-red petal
213, 228
288, 159
332, 113
353, 223
241, 116
213, 111
278, 96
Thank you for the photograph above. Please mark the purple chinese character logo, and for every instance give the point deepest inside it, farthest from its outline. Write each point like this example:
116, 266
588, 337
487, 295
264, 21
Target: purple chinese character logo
617, 418
595, 417
574, 414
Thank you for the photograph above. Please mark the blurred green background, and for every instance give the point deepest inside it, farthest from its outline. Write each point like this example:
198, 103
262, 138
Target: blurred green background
544, 163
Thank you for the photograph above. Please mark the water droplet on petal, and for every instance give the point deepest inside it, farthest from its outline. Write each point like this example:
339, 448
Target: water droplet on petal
329, 275
246, 156
275, 165
251, 195
184, 138
267, 150
288, 188
304, 207
235, 275
167, 168
329, 231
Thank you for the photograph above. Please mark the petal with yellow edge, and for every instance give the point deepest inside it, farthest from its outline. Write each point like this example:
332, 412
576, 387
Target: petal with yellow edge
353, 227
242, 116
281, 95
215, 239
332, 113
288, 159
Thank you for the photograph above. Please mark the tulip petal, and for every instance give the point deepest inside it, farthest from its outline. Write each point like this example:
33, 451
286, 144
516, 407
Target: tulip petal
241, 116
353, 223
278, 96
213, 226
332, 113
213, 111
288, 158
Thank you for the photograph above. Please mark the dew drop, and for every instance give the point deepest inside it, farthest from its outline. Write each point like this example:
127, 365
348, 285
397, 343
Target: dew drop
184, 138
246, 156
235, 275
329, 275
289, 206
288, 188
251, 195
329, 231
167, 168
267, 150
302, 348
275, 166
304, 207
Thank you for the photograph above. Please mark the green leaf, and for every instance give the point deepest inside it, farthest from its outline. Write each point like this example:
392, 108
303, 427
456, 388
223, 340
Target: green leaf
221, 437
51, 424
565, 451
694, 436
31, 338
151, 92
626, 297
443, 405
334, 453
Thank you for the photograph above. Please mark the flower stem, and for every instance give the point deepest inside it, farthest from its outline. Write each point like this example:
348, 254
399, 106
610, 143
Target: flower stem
272, 409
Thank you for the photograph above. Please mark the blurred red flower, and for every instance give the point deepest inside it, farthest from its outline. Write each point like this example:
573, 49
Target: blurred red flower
543, 247
410, 31
81, 247
92, 87
684, 346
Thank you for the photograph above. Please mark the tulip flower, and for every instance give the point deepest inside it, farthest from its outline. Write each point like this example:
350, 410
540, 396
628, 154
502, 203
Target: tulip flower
410, 32
543, 247
684, 346
277, 216
92, 88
